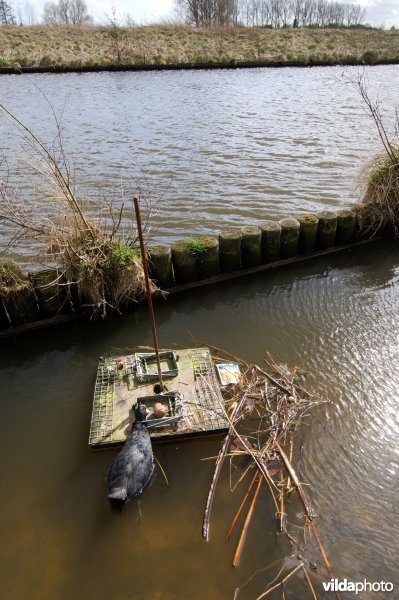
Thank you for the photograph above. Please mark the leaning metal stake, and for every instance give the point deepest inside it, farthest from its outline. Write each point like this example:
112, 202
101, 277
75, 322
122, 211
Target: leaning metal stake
148, 290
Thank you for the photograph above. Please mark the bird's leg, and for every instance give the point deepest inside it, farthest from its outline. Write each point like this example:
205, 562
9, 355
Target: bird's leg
139, 511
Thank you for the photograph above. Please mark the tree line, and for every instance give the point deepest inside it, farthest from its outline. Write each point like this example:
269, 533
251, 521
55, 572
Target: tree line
271, 13
206, 13
57, 12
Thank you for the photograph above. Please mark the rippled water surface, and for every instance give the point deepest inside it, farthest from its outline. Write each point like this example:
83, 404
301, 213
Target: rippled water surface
221, 147
336, 317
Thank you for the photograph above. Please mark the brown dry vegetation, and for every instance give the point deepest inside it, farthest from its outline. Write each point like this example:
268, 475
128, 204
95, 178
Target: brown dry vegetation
79, 47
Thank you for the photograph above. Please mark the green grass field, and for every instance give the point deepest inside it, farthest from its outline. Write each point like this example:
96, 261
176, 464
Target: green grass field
80, 47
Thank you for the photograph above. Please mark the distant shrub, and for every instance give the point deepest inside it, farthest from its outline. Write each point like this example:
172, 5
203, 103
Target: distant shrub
21, 59
370, 57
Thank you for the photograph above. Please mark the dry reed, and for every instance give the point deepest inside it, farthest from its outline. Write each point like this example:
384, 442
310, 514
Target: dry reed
92, 244
277, 402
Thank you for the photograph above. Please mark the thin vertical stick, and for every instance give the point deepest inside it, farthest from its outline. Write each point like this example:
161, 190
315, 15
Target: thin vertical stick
218, 468
282, 507
241, 507
241, 541
309, 582
148, 290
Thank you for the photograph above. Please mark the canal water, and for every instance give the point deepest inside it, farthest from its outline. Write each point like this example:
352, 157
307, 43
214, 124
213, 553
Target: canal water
335, 317
209, 148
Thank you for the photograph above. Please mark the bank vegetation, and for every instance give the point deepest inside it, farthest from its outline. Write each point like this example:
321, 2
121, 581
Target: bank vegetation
54, 47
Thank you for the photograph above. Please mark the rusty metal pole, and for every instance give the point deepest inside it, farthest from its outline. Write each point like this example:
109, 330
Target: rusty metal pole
148, 290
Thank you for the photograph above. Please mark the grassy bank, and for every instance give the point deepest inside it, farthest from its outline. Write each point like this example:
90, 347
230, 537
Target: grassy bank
59, 47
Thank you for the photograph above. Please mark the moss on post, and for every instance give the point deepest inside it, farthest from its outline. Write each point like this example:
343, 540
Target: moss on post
251, 246
289, 237
326, 229
185, 262
346, 222
307, 233
230, 250
271, 233
160, 264
208, 259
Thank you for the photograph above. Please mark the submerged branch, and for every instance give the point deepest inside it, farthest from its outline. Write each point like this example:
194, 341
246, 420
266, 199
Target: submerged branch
237, 554
280, 583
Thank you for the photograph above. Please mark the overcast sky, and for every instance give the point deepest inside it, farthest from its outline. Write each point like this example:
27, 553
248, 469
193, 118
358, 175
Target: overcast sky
378, 12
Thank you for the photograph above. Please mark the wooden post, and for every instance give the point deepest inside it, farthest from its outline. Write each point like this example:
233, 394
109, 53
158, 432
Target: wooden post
251, 246
271, 233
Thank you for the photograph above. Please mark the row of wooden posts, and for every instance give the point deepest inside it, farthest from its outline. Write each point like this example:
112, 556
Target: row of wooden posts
199, 259
242, 248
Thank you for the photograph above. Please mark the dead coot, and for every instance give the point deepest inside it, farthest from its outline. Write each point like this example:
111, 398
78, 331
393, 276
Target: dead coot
133, 468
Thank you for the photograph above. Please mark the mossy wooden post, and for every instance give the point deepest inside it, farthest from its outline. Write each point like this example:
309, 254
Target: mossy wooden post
230, 250
289, 237
307, 233
271, 233
50, 296
251, 246
185, 262
22, 306
326, 229
208, 257
160, 263
346, 221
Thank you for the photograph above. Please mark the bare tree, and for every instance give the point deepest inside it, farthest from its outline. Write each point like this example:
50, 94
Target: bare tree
30, 14
208, 13
129, 21
6, 14
271, 13
66, 12
354, 15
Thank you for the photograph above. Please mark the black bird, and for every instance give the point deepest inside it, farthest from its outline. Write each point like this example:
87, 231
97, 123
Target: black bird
133, 468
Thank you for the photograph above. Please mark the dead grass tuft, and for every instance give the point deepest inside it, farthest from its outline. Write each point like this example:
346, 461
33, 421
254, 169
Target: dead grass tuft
379, 206
12, 279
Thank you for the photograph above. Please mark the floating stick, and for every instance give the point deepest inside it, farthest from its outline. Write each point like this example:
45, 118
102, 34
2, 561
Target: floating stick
282, 582
241, 541
241, 507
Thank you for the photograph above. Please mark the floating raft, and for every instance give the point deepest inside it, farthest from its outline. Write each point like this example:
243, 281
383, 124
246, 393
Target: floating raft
193, 396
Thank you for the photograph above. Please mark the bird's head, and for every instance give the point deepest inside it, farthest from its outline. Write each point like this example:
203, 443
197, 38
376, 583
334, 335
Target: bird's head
140, 412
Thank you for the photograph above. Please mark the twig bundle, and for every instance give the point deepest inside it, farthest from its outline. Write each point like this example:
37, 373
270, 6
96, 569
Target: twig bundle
276, 400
